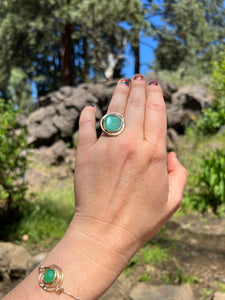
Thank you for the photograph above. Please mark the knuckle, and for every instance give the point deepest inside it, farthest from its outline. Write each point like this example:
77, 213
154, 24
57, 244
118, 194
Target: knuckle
185, 172
128, 147
136, 102
157, 107
85, 119
157, 153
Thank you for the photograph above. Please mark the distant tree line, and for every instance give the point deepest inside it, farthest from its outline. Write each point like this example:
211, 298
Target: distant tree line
65, 42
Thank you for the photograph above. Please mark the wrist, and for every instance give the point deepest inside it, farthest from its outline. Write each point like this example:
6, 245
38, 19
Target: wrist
86, 261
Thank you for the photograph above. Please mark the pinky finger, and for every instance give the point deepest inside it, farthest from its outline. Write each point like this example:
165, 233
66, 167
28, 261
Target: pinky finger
87, 136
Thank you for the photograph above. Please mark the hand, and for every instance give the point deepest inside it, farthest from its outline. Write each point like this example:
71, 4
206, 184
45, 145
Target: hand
126, 187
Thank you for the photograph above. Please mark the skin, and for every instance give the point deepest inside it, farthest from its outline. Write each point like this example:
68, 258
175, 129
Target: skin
126, 188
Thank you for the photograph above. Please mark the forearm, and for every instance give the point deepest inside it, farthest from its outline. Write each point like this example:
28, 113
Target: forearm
89, 266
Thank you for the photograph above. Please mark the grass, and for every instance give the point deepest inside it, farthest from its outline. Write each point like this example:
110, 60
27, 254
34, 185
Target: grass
45, 218
221, 287
154, 255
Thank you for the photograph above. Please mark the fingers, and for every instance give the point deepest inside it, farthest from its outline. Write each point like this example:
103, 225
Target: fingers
155, 116
119, 99
87, 136
177, 176
135, 110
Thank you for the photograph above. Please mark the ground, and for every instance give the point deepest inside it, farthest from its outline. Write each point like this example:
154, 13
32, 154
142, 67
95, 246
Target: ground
189, 249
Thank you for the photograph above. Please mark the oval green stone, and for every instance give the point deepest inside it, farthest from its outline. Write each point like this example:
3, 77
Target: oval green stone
49, 276
112, 123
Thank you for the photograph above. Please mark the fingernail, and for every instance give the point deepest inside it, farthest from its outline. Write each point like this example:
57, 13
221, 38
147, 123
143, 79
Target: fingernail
90, 105
125, 81
152, 82
138, 77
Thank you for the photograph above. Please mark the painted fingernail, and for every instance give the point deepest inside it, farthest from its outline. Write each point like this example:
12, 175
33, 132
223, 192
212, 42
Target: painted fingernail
152, 82
90, 105
138, 77
125, 81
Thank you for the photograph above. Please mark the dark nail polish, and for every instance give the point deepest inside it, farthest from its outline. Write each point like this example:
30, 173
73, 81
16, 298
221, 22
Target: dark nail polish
138, 77
152, 82
125, 81
90, 104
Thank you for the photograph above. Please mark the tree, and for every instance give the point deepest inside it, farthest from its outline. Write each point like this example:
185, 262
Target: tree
58, 42
192, 35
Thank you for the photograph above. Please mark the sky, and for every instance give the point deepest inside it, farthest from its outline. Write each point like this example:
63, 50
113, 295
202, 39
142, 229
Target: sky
147, 46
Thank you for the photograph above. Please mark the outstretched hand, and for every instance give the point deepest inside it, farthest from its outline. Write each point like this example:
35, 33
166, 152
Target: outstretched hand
127, 187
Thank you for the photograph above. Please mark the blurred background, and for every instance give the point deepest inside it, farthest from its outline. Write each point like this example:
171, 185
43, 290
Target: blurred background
56, 56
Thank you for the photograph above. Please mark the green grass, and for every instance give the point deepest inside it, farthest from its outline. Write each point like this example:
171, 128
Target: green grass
221, 287
154, 255
144, 278
45, 218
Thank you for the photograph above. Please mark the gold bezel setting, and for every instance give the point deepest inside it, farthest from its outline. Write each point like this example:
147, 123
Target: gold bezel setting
113, 133
55, 285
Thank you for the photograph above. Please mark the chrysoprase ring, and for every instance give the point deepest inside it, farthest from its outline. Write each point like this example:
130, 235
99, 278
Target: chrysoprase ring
112, 124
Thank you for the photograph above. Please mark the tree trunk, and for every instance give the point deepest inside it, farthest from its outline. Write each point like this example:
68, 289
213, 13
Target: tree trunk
85, 58
67, 56
137, 56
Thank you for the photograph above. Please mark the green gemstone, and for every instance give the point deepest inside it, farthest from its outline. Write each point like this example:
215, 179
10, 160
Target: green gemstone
49, 276
112, 123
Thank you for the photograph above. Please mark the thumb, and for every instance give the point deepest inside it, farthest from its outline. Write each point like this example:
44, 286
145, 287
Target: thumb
177, 176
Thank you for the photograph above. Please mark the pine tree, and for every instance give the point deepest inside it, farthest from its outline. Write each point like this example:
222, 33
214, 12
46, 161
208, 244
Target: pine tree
58, 42
192, 35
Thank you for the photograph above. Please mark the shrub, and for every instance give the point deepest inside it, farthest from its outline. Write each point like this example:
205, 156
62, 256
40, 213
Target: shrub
12, 162
214, 117
211, 182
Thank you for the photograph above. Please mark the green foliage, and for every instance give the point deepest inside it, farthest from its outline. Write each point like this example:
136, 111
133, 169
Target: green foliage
36, 34
20, 96
211, 182
154, 255
144, 278
191, 37
207, 292
214, 117
45, 219
221, 287
13, 161
181, 278
218, 73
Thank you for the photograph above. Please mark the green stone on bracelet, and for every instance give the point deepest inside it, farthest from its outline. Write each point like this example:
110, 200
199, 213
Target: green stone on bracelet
112, 123
49, 276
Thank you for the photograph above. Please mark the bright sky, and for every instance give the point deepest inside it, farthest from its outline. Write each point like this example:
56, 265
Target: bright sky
147, 46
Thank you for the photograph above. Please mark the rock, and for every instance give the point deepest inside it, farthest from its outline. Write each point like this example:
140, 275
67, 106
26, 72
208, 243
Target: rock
51, 98
57, 116
191, 97
172, 140
21, 121
43, 134
177, 117
53, 155
218, 296
13, 263
80, 99
35, 261
67, 91
39, 115
144, 291
34, 177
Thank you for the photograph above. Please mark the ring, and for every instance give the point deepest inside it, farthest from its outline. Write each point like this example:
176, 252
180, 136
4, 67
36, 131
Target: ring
112, 124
